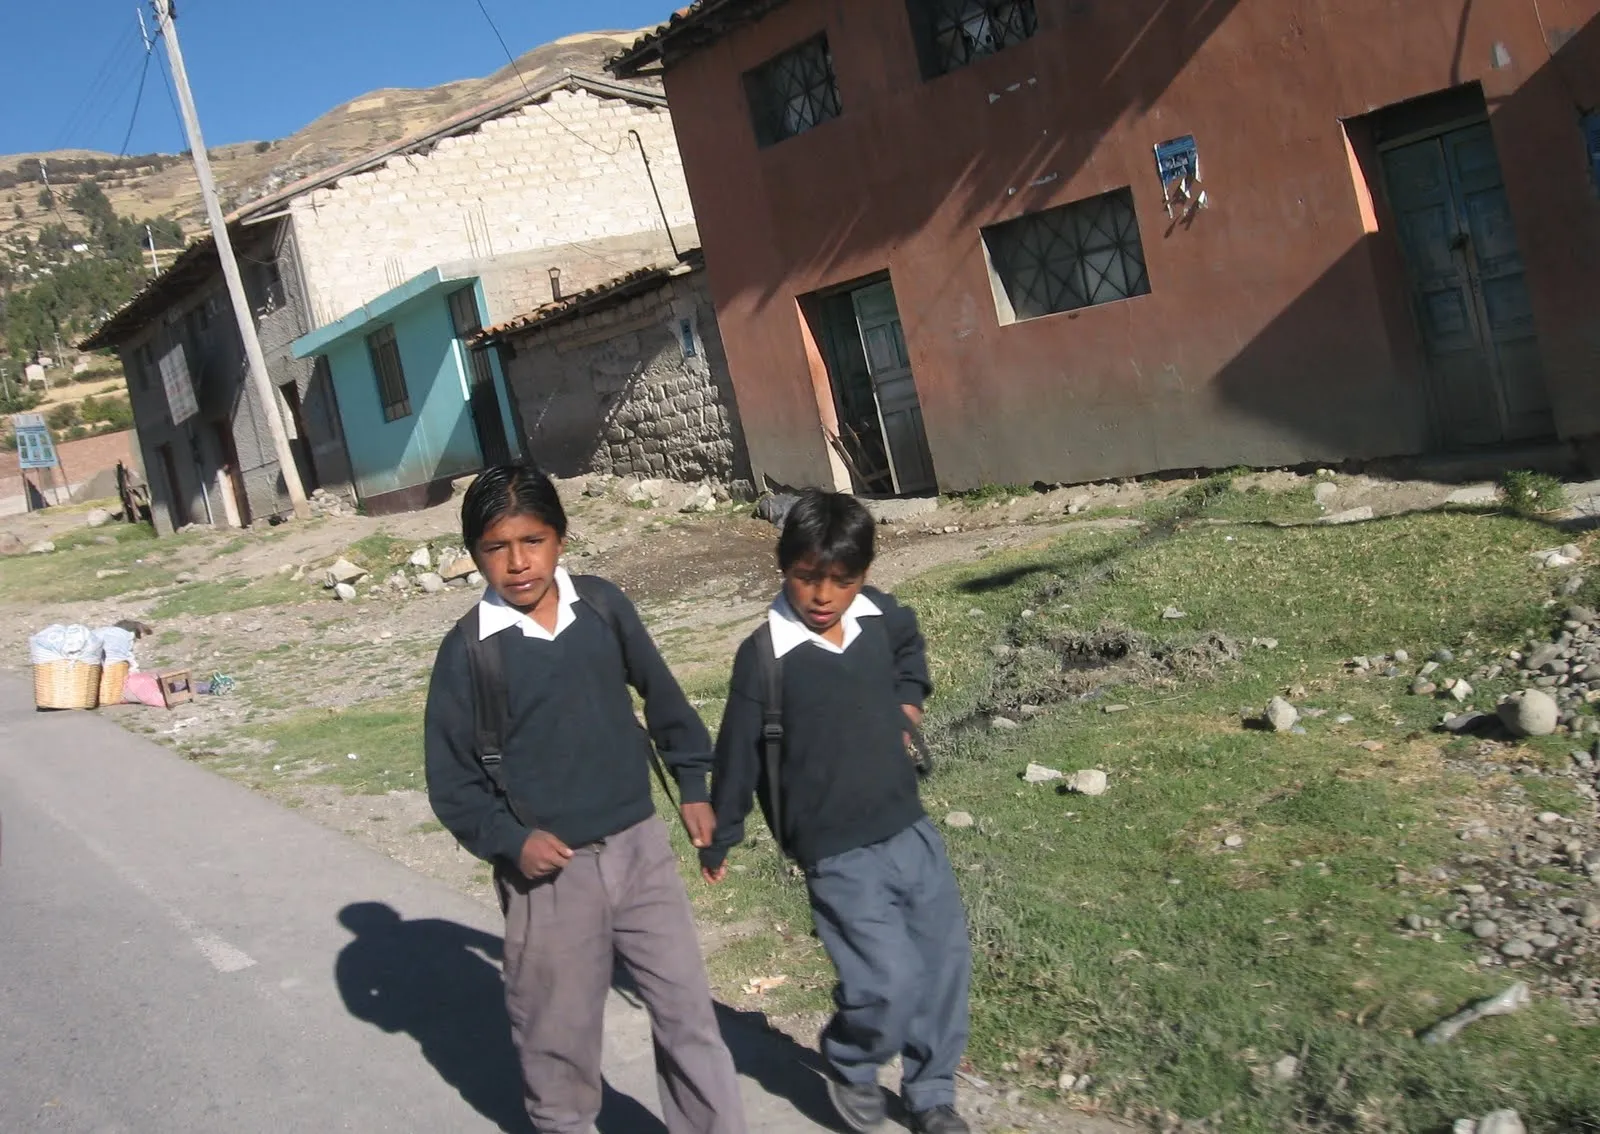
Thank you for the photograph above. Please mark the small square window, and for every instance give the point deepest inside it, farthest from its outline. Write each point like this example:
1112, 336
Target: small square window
1069, 257
793, 93
686, 338
391, 377
952, 33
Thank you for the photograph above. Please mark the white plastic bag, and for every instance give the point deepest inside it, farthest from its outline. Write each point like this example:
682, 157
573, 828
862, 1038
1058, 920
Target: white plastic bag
66, 643
118, 644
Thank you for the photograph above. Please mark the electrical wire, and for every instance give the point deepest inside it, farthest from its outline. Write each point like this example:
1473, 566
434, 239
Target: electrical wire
517, 70
138, 98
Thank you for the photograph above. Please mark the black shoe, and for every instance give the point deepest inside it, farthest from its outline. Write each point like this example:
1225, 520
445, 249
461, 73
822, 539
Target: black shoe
939, 1120
862, 1106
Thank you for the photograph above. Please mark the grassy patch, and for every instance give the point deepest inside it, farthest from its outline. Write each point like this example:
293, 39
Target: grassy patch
231, 595
385, 736
70, 573
1121, 936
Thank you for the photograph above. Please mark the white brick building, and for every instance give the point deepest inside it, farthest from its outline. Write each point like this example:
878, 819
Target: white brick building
560, 171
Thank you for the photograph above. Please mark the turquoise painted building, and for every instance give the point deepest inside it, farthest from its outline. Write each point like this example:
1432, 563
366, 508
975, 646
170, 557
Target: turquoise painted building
419, 406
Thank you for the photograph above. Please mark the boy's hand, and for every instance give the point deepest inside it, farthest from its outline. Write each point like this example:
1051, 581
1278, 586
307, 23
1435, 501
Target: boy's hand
543, 854
701, 823
714, 876
914, 715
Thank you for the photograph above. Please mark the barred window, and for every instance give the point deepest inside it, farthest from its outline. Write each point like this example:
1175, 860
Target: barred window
793, 93
392, 393
952, 33
1072, 256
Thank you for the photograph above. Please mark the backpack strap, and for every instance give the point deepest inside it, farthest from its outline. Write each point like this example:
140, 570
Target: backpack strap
770, 667
591, 591
486, 664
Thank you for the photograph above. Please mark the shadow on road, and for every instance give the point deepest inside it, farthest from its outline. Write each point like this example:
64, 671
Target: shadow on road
781, 1067
439, 982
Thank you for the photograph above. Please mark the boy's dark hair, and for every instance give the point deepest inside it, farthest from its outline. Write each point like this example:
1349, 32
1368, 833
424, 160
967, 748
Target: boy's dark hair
509, 490
832, 527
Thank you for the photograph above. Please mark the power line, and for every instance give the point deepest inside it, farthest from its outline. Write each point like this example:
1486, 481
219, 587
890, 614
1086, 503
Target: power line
517, 70
138, 98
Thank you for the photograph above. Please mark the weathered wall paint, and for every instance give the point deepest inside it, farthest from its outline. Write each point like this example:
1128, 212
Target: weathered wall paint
1278, 329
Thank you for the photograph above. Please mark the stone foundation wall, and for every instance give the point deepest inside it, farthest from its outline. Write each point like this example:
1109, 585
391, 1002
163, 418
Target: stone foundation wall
637, 389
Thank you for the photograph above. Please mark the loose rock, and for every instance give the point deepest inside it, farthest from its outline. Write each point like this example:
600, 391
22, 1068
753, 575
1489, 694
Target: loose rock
460, 569
1513, 999
421, 557
344, 592
1003, 724
1352, 516
431, 583
1286, 1068
1039, 774
1090, 781
1530, 713
959, 820
344, 571
1501, 1122
44, 548
97, 518
1281, 715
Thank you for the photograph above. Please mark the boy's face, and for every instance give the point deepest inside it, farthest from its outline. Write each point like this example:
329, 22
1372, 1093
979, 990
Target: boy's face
820, 594
518, 557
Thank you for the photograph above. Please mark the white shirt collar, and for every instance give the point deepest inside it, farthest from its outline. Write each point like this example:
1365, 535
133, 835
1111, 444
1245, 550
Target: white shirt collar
789, 631
495, 614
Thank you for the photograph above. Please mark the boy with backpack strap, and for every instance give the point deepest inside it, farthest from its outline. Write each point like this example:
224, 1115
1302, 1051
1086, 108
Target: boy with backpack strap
823, 707
536, 762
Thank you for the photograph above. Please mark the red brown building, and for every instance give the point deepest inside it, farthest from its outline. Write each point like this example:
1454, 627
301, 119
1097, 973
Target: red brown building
1065, 240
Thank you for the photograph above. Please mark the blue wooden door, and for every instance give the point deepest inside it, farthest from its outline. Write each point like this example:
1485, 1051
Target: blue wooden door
1469, 289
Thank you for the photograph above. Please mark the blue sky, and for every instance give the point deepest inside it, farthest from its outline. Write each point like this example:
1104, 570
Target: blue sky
259, 70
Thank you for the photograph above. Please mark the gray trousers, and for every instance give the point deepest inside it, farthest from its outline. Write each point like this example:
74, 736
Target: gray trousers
620, 898
891, 918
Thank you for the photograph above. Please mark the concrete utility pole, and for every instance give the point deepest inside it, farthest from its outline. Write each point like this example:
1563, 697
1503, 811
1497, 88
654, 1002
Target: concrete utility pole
230, 266
155, 265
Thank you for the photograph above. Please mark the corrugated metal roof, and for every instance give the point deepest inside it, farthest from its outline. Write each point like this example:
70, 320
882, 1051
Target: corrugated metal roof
701, 23
181, 275
596, 298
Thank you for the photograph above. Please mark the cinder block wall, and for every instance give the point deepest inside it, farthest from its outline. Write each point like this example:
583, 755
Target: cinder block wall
558, 172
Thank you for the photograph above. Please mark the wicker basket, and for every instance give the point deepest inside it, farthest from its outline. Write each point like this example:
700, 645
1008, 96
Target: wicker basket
66, 685
113, 676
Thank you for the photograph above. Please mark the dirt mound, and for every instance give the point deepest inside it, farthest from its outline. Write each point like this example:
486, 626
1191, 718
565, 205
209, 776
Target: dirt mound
1068, 665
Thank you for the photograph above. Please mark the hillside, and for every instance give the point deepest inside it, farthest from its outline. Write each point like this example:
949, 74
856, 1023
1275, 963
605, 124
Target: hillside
247, 171
62, 269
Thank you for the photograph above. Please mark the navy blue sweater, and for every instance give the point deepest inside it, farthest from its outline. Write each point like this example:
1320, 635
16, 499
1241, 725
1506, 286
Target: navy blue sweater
847, 780
576, 759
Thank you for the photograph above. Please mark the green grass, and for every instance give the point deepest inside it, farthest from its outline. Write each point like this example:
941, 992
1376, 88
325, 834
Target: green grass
386, 737
231, 595
1117, 936
68, 573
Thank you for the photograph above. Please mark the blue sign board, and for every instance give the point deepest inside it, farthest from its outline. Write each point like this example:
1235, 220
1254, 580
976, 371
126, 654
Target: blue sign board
1591, 137
35, 450
1178, 160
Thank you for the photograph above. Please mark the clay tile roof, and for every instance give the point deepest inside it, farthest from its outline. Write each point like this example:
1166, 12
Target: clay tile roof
596, 298
699, 25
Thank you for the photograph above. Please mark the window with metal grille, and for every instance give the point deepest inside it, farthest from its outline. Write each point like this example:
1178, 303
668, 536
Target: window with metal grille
391, 378
793, 93
952, 33
1072, 256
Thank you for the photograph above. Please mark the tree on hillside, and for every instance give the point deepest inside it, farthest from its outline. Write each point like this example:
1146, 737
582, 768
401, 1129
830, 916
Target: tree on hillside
47, 199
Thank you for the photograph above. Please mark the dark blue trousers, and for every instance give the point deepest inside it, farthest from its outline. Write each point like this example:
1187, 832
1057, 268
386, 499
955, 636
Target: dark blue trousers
891, 918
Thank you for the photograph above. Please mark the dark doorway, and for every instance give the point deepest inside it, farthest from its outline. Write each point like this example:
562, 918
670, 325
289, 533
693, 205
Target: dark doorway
875, 393
230, 470
177, 506
300, 443
1444, 185
485, 400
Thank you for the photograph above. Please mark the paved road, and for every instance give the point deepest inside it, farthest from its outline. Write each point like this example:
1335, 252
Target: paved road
178, 954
